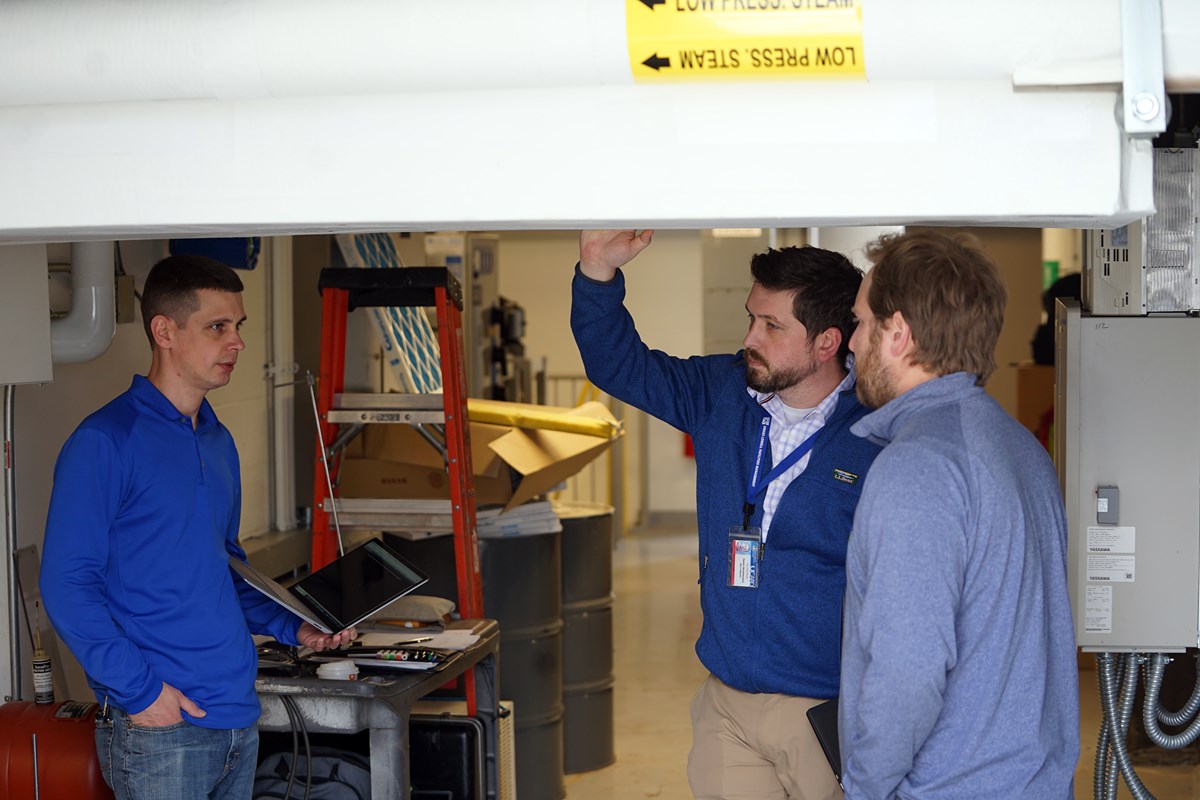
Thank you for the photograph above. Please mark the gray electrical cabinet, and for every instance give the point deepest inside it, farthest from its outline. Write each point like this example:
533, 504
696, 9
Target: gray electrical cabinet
1127, 447
27, 354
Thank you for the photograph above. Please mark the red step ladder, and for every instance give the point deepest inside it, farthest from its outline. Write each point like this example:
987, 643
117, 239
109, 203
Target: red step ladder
343, 290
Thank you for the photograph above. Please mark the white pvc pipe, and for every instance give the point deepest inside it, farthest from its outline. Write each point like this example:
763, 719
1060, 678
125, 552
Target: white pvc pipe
88, 329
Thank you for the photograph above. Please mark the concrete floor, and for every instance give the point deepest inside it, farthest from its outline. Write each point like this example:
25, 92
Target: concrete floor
656, 621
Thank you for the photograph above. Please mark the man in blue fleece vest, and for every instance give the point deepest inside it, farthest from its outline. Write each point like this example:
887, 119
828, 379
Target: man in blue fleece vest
778, 476
143, 519
959, 676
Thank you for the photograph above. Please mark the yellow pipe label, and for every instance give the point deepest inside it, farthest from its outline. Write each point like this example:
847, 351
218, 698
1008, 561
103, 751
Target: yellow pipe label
715, 40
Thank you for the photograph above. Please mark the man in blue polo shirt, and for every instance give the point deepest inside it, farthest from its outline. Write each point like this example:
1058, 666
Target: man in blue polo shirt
778, 477
135, 574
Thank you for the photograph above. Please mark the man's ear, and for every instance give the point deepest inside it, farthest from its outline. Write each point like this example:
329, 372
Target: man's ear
827, 344
162, 328
897, 337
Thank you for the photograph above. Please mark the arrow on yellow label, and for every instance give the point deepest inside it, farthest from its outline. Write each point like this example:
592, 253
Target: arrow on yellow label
656, 62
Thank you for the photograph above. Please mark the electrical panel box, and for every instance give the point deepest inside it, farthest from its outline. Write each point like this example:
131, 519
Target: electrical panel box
1127, 447
27, 355
1115, 279
1151, 265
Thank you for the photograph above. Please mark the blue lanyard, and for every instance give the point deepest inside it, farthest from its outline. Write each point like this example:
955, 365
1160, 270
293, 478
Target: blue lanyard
755, 487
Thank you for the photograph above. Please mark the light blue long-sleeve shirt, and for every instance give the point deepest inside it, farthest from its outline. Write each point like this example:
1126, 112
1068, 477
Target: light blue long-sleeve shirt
958, 659
143, 518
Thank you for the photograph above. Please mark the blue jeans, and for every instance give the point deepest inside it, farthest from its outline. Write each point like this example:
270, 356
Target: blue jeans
178, 762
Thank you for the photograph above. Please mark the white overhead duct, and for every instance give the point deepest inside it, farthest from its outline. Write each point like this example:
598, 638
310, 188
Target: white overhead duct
288, 116
81, 51
87, 330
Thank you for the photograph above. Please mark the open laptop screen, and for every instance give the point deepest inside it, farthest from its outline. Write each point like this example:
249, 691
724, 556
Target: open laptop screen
358, 584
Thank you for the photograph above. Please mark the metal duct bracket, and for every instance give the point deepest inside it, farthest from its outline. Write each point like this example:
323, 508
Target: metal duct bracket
1142, 104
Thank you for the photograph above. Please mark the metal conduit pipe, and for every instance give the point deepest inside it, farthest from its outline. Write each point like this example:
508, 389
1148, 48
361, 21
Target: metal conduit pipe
10, 546
1154, 677
1100, 780
1118, 710
1189, 709
1110, 673
1125, 681
88, 329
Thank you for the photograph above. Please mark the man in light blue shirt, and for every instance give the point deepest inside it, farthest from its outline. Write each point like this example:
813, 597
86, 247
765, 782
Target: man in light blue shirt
958, 657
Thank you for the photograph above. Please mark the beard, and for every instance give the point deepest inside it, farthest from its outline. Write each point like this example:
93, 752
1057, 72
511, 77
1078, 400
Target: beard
874, 386
771, 381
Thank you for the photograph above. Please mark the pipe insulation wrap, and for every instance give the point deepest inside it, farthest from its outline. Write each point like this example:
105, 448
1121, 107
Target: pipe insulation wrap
88, 329
80, 51
70, 51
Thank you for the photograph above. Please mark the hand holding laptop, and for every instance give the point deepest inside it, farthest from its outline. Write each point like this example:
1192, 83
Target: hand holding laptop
310, 636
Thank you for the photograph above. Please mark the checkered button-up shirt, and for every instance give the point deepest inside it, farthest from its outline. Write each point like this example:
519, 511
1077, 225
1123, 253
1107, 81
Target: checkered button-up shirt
789, 428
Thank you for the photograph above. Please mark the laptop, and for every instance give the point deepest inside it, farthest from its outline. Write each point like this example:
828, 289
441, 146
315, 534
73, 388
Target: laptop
344, 592
823, 719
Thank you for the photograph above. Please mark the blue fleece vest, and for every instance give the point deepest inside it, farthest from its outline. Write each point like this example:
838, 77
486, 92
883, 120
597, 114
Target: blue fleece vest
783, 637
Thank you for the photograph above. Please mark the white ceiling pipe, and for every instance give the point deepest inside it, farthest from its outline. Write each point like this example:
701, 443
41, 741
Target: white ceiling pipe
78, 51
88, 329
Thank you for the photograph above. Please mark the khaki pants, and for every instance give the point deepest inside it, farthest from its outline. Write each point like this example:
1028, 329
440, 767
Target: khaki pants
755, 746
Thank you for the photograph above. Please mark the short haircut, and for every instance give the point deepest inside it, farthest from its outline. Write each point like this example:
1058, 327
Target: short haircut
824, 284
950, 294
172, 284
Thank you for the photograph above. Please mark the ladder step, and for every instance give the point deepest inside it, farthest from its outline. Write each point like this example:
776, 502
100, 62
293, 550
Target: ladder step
407, 286
397, 408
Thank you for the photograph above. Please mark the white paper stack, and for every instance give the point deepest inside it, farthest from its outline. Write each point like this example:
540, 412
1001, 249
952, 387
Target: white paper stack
422, 519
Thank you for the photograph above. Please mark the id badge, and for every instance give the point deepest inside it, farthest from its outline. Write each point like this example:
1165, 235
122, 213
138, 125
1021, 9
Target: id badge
745, 544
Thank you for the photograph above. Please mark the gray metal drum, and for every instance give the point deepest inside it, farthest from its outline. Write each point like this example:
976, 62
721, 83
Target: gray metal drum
522, 591
587, 611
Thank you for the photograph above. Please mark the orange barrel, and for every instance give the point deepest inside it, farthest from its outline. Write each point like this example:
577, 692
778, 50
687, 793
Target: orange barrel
67, 765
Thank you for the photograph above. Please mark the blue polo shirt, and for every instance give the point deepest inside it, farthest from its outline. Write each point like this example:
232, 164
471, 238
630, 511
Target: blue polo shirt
143, 517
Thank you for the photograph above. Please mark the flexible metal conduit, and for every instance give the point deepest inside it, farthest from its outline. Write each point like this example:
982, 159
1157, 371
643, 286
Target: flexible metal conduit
1189, 709
1154, 677
1118, 710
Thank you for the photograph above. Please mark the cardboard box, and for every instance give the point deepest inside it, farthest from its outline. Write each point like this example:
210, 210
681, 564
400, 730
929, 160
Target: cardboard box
511, 464
1035, 394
